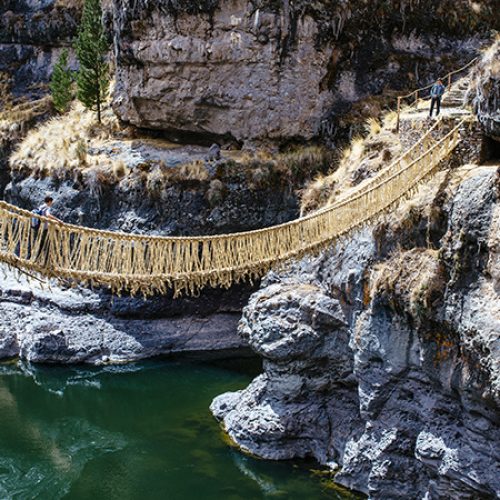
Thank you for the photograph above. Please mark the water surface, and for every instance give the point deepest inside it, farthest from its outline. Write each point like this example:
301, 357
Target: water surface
141, 431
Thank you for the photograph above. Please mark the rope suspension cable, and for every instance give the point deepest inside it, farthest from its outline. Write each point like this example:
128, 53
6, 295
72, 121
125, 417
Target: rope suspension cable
154, 264
151, 264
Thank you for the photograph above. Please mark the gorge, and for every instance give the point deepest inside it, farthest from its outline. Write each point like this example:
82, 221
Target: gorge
380, 351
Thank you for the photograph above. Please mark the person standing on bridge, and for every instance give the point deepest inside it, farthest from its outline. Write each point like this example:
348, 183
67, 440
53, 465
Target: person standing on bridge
45, 210
437, 92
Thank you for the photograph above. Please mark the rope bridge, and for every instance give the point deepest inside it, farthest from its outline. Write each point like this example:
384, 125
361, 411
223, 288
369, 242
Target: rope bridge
153, 264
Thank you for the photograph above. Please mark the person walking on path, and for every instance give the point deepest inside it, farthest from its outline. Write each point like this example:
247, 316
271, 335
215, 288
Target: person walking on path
437, 92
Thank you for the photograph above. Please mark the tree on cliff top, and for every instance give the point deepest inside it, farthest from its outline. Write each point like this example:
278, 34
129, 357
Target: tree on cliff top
60, 83
91, 48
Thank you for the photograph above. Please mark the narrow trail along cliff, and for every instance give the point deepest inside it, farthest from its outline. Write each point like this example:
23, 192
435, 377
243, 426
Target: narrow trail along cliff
152, 264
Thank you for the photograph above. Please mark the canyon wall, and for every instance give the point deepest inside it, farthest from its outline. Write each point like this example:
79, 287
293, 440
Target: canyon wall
484, 92
381, 356
249, 71
32, 35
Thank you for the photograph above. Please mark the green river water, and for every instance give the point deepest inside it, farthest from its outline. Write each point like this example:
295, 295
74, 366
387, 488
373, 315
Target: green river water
141, 431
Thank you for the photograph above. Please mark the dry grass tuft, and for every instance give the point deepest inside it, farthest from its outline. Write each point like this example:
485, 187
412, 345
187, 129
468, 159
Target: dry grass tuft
60, 146
362, 159
74, 146
306, 162
195, 171
5, 91
216, 192
69, 4
155, 182
373, 126
119, 169
15, 121
411, 281
390, 121
317, 192
266, 170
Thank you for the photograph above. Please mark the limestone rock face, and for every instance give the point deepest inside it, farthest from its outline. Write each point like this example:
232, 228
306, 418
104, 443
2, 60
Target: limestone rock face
182, 208
381, 357
289, 325
32, 35
259, 70
67, 326
484, 92
222, 75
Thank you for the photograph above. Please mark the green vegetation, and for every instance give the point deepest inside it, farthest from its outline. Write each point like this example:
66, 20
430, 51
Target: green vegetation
61, 83
91, 48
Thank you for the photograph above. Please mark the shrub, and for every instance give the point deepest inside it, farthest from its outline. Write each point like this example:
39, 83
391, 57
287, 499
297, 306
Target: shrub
195, 171
81, 153
119, 169
155, 182
216, 192
305, 163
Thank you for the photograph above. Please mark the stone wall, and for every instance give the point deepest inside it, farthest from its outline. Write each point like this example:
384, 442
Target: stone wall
469, 150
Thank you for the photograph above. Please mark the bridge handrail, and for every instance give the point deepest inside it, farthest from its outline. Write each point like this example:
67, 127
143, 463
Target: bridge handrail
417, 93
446, 77
150, 263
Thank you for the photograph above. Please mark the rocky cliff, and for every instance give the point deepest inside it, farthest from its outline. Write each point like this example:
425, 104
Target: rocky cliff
182, 206
381, 356
259, 70
54, 324
484, 92
32, 33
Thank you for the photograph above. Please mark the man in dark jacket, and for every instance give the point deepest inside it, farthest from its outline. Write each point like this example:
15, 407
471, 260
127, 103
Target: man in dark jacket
437, 92
40, 228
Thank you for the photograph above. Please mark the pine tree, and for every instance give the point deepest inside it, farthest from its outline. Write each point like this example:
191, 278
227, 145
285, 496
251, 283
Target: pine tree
91, 48
60, 83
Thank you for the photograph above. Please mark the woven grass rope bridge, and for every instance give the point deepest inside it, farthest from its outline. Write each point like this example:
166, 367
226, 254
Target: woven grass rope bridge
155, 264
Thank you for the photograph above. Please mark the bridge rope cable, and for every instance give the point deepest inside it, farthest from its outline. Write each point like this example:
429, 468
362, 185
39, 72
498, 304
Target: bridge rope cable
154, 264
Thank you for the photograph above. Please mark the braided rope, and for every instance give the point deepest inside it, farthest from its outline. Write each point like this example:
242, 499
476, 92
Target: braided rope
154, 264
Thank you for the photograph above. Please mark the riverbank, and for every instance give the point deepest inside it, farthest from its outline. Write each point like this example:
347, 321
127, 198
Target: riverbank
57, 325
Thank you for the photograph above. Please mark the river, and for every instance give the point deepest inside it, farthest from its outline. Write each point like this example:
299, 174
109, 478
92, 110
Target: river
140, 431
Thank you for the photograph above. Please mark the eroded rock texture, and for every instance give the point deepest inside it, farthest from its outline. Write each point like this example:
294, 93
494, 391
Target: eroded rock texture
69, 326
222, 204
32, 34
260, 70
484, 92
381, 357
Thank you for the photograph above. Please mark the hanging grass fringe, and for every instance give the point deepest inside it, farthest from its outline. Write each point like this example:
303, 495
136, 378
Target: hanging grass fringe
149, 265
